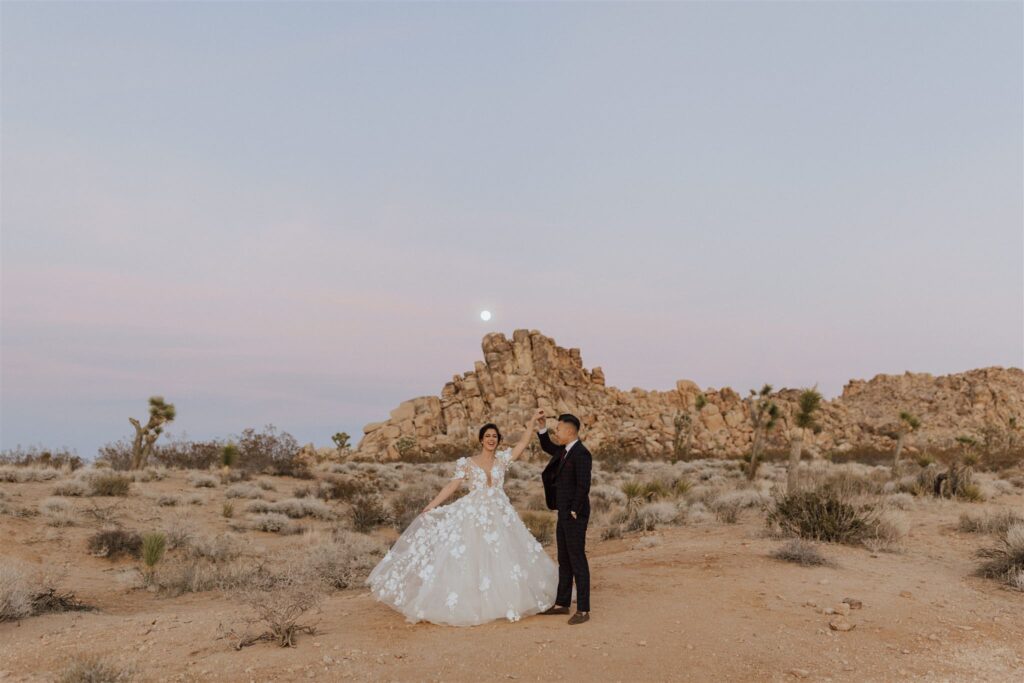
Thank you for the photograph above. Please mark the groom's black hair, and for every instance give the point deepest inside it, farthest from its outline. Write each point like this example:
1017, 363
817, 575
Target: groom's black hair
571, 419
483, 430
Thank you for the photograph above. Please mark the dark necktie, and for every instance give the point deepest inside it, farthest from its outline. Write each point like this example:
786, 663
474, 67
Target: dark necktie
565, 452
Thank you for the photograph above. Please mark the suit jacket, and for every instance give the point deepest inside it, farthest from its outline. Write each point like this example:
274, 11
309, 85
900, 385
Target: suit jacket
567, 482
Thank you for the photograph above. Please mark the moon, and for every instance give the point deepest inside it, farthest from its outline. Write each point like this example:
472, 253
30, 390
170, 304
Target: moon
485, 315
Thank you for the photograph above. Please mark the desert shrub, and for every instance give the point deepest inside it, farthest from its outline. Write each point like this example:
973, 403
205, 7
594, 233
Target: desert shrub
112, 543
634, 493
243, 490
227, 509
37, 456
368, 512
217, 549
268, 485
1005, 561
71, 487
343, 487
167, 500
900, 501
820, 515
94, 668
197, 575
178, 531
278, 602
194, 499
611, 531
602, 498
275, 522
800, 552
888, 530
406, 506
270, 451
58, 512
296, 508
117, 455
15, 593
647, 517
109, 484
22, 475
345, 560
203, 480
989, 522
541, 525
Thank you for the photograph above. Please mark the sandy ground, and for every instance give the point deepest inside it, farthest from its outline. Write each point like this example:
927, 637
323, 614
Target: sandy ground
702, 603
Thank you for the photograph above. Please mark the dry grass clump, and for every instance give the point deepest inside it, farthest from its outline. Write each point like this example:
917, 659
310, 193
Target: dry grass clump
58, 512
274, 522
244, 490
147, 474
541, 525
602, 498
202, 480
74, 487
112, 543
1005, 561
167, 500
93, 668
647, 517
345, 560
801, 552
21, 475
296, 508
15, 593
109, 484
888, 531
821, 515
266, 485
989, 522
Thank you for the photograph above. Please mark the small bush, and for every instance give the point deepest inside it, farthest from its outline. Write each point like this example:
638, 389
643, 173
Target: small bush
22, 475
227, 509
267, 485
167, 501
647, 517
408, 505
92, 668
989, 522
153, 546
109, 484
71, 487
368, 512
800, 552
202, 480
274, 522
345, 560
541, 525
58, 512
243, 490
278, 603
820, 515
888, 530
1005, 561
15, 593
112, 543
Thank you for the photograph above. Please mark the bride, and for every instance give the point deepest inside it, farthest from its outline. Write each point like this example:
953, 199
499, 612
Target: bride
472, 561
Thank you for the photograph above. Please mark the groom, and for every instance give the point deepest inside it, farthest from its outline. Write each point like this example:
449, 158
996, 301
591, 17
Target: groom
567, 489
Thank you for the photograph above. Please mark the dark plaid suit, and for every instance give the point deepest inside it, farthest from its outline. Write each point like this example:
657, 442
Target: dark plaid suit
567, 489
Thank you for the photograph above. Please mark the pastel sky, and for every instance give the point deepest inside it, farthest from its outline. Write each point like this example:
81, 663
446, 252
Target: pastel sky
293, 213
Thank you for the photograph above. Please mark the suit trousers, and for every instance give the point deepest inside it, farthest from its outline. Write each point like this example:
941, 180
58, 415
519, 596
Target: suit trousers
571, 536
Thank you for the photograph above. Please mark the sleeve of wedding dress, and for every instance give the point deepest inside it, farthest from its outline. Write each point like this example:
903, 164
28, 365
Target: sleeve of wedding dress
504, 456
460, 469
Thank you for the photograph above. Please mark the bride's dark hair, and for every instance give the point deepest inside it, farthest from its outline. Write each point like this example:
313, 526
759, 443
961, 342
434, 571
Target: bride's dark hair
483, 430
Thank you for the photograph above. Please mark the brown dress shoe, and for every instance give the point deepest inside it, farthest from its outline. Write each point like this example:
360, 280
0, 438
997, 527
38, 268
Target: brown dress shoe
556, 609
579, 618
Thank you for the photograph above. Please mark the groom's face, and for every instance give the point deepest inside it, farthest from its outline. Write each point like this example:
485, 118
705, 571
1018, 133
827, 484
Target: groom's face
565, 433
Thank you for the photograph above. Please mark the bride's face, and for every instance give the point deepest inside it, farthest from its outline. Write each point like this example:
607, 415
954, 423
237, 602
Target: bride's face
490, 440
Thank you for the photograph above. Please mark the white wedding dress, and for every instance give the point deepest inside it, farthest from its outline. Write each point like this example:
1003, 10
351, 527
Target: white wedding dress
468, 562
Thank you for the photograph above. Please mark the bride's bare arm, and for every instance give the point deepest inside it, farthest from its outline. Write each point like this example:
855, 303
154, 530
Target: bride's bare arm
535, 422
441, 497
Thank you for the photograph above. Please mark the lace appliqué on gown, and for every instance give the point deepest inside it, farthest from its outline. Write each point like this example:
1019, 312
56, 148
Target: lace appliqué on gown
468, 562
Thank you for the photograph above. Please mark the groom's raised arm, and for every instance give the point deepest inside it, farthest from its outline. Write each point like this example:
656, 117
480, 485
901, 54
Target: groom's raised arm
547, 444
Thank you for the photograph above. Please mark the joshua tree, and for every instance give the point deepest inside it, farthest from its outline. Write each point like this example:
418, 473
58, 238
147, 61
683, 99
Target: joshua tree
160, 413
763, 416
683, 422
341, 440
810, 401
907, 424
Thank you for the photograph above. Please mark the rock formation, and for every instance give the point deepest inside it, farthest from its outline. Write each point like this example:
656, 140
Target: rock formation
529, 371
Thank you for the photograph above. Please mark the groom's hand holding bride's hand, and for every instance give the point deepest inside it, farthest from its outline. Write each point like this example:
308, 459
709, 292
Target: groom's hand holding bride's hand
538, 419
